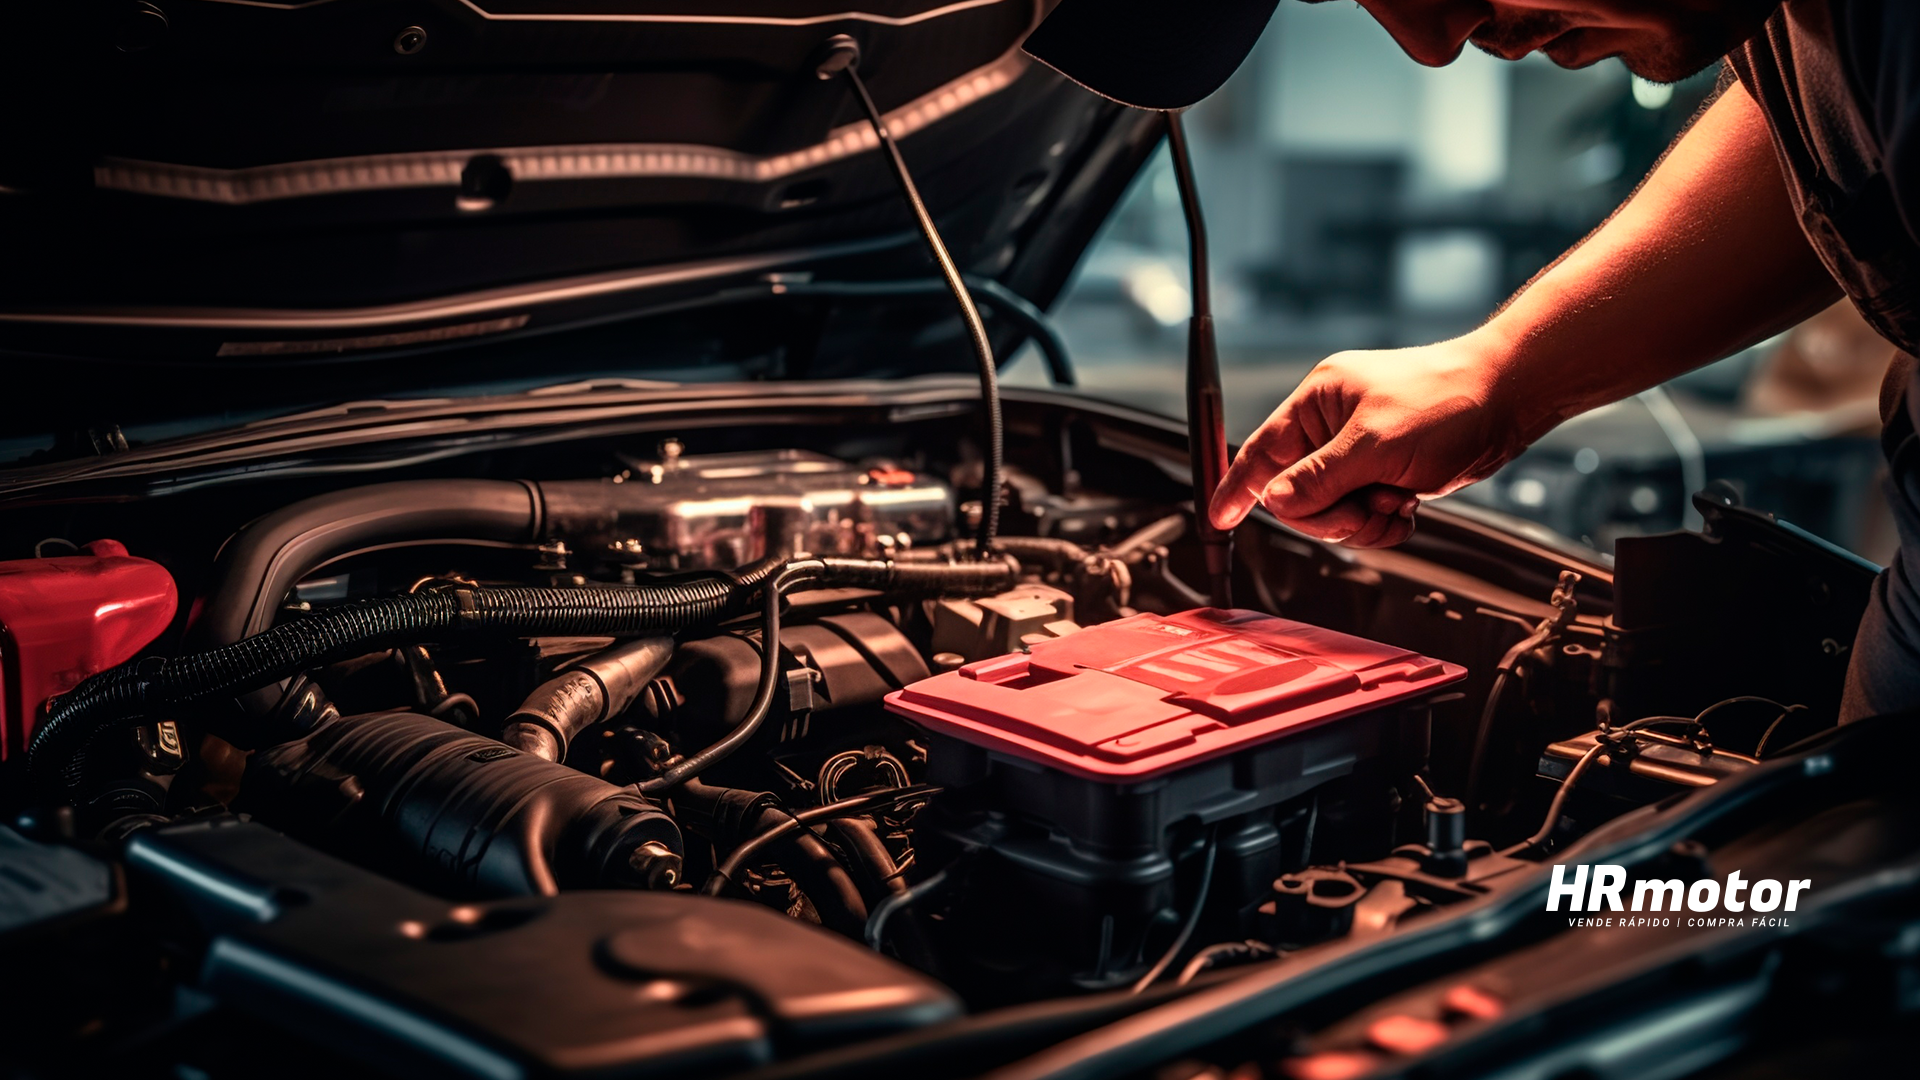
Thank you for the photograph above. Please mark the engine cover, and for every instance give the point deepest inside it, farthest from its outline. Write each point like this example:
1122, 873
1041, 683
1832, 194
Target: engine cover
593, 984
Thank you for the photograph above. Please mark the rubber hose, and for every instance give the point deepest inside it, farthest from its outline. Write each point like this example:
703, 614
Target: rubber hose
873, 864
590, 690
1057, 554
134, 691
693, 765
1149, 538
994, 575
727, 816
812, 866
743, 854
880, 879
131, 692
267, 558
858, 573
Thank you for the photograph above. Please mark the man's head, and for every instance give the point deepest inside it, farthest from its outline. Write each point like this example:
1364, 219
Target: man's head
1168, 54
1661, 40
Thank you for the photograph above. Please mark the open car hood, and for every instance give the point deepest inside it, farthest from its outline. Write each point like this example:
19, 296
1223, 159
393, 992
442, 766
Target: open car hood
247, 182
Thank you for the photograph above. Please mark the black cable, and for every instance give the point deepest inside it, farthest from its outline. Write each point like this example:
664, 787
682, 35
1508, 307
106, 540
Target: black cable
884, 911
1760, 749
1483, 734
1559, 801
1661, 721
1587, 759
793, 573
1699, 720
1206, 408
161, 687
1193, 920
1743, 700
1580, 767
687, 768
156, 687
723, 874
843, 58
1547, 631
1198, 268
1565, 603
1765, 736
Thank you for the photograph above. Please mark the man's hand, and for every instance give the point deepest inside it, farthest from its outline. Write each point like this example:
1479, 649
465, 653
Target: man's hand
1346, 455
1707, 258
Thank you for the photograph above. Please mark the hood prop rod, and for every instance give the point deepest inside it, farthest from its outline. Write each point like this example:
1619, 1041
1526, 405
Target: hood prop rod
842, 57
1206, 416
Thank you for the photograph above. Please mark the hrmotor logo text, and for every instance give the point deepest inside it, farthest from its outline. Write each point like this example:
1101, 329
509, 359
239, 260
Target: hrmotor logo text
1603, 888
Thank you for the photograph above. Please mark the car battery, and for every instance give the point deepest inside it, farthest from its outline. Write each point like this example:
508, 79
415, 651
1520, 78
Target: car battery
1094, 765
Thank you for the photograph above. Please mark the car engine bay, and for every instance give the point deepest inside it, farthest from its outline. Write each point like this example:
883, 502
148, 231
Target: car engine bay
439, 773
833, 717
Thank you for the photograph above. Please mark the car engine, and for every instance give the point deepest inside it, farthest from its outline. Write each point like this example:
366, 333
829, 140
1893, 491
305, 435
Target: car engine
555, 610
442, 773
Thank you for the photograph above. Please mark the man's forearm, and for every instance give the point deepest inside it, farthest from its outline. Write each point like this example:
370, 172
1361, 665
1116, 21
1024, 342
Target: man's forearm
1707, 258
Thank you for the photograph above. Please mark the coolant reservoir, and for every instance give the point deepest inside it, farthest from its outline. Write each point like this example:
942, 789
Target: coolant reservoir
63, 619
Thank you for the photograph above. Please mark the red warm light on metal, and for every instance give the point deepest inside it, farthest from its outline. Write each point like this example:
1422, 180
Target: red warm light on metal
1331, 1065
66, 618
1473, 1002
1406, 1034
1142, 696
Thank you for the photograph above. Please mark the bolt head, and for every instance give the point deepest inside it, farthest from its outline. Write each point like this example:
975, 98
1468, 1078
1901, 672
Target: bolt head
655, 865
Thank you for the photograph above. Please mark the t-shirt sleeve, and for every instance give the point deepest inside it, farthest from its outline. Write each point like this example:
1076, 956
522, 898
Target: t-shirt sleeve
1879, 43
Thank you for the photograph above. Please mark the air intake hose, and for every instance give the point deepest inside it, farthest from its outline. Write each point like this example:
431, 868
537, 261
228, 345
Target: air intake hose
153, 686
458, 812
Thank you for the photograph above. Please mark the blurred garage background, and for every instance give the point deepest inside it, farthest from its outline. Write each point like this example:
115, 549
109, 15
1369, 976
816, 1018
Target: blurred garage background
1358, 200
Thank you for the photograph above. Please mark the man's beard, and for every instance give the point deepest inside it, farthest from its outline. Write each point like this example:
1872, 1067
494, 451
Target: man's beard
1670, 65
1695, 43
1512, 36
1698, 45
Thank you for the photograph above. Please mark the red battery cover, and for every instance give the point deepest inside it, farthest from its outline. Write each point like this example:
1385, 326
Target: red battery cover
63, 619
1147, 695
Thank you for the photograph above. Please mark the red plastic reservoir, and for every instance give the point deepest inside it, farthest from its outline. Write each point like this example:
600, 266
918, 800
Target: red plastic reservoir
1144, 696
66, 618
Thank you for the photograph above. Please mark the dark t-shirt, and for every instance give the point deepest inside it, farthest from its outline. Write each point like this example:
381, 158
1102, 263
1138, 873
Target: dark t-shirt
1840, 84
1879, 48
1836, 79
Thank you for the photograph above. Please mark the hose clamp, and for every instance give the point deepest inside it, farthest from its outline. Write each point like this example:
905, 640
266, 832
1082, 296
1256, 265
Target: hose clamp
466, 608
